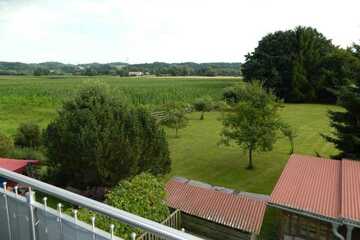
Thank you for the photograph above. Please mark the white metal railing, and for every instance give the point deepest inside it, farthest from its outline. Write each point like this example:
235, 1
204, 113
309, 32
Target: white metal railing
78, 200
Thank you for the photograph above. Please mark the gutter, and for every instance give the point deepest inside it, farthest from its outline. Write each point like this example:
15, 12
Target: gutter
335, 230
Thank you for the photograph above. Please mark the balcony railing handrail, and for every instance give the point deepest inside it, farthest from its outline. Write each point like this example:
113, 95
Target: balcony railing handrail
76, 199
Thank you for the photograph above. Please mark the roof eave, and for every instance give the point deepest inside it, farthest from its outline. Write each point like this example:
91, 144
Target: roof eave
305, 213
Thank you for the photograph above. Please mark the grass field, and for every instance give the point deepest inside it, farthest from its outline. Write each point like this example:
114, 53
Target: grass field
195, 154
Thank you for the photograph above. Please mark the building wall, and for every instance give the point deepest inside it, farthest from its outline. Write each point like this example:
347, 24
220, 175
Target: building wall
211, 230
298, 227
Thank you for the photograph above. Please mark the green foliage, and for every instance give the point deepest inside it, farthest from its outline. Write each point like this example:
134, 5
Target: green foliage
204, 104
6, 145
347, 123
300, 65
143, 195
98, 140
28, 135
254, 121
290, 133
41, 71
174, 116
26, 153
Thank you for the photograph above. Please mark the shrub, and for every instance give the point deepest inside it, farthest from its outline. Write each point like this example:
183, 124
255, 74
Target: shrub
143, 195
6, 145
98, 140
28, 135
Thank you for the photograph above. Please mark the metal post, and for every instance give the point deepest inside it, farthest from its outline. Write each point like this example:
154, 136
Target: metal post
7, 210
112, 226
60, 220
45, 217
76, 222
349, 232
93, 227
133, 236
30, 200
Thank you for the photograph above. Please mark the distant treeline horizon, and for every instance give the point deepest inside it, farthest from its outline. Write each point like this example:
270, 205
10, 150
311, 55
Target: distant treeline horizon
122, 69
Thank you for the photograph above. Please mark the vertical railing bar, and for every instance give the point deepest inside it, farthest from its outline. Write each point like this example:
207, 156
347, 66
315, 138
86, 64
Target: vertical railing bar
30, 200
7, 210
60, 221
93, 218
46, 217
16, 212
76, 224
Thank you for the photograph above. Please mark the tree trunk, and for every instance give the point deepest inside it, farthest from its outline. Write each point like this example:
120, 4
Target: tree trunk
202, 116
176, 132
292, 147
250, 165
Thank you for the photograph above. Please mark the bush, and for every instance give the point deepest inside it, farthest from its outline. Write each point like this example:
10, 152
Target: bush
28, 135
143, 195
97, 140
6, 145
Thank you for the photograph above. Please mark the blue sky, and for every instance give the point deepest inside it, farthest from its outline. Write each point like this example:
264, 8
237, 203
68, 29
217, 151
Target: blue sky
79, 31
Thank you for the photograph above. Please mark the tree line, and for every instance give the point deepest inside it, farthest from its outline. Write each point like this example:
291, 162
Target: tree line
121, 69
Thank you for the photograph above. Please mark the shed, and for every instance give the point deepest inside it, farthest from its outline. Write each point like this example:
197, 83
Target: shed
216, 212
318, 198
15, 165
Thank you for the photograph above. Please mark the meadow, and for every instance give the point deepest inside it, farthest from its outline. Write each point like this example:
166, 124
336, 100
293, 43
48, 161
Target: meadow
196, 153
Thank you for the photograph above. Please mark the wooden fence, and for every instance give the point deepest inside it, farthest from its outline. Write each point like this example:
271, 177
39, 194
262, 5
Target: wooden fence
173, 221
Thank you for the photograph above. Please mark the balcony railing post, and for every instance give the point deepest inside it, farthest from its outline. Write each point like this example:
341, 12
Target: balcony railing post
30, 200
7, 210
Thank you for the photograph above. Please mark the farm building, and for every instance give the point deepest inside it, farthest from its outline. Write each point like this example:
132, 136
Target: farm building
14, 165
216, 212
318, 199
136, 74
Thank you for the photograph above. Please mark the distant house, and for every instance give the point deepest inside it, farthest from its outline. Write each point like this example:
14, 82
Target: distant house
319, 199
136, 74
216, 212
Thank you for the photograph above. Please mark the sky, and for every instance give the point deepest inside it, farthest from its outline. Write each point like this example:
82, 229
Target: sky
139, 31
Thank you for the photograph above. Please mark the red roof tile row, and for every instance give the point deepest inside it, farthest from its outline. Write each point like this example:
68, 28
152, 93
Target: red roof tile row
325, 187
15, 165
236, 210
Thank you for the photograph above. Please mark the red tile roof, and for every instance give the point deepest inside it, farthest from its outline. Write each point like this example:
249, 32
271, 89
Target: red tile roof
350, 198
243, 211
324, 187
15, 165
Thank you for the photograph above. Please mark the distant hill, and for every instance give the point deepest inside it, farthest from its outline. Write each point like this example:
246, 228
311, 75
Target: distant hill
122, 69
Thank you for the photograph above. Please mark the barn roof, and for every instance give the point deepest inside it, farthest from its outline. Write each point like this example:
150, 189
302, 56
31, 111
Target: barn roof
239, 210
15, 165
320, 186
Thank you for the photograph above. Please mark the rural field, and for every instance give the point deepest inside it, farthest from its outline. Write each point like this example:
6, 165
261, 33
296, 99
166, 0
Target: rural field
196, 153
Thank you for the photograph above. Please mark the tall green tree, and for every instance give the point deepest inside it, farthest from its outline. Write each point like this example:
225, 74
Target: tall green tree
253, 122
346, 136
98, 140
289, 62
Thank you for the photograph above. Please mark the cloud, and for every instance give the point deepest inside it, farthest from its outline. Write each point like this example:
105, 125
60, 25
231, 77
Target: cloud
160, 30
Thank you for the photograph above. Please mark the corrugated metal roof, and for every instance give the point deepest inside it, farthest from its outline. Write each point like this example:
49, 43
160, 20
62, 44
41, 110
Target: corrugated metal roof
350, 204
224, 206
329, 188
15, 165
311, 184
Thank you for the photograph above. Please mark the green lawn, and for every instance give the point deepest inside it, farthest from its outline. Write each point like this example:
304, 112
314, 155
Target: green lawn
196, 154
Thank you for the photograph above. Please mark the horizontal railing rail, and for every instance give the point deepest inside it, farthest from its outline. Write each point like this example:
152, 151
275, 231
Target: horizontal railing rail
115, 213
